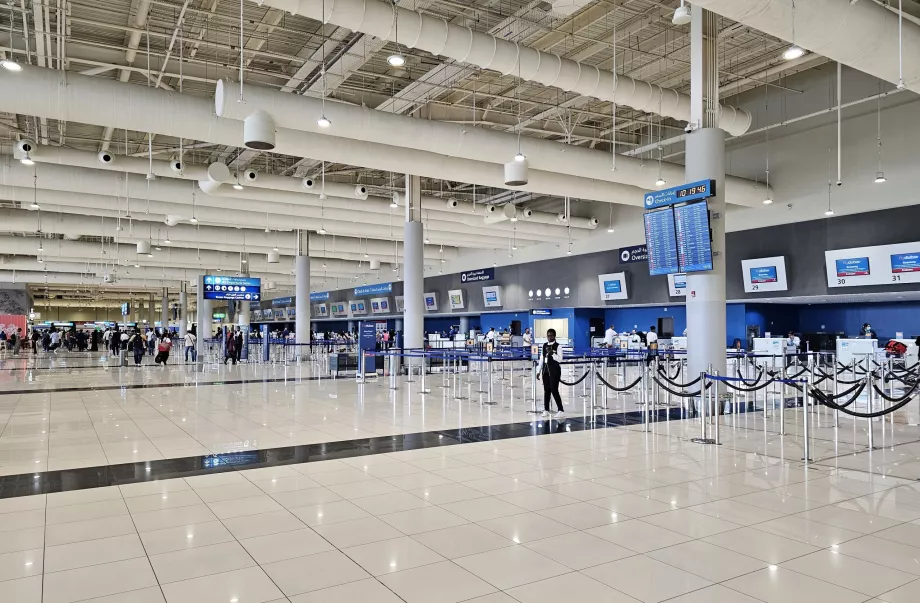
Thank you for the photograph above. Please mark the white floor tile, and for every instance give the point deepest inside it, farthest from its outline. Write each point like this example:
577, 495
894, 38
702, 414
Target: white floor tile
780, 585
151, 594
436, 583
512, 566
849, 572
97, 581
23, 590
461, 541
884, 552
579, 550
389, 556
909, 593
20, 564
761, 545
525, 527
357, 531
285, 545
79, 531
329, 513
362, 591
646, 579
253, 505
93, 552
638, 536
708, 561
569, 587
316, 572
690, 523
482, 509
249, 585
200, 561
22, 540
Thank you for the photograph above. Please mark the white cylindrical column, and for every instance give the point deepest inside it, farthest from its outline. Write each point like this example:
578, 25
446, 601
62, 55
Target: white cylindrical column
183, 310
706, 315
302, 288
413, 267
465, 326
151, 313
164, 310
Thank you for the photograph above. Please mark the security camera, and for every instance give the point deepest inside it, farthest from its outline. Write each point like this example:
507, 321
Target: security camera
25, 145
452, 203
361, 191
176, 166
491, 209
105, 158
526, 213
840, 183
308, 183
250, 175
689, 128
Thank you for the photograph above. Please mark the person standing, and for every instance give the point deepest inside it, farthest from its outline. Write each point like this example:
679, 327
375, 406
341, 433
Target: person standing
651, 340
230, 349
138, 345
550, 372
610, 337
190, 340
238, 344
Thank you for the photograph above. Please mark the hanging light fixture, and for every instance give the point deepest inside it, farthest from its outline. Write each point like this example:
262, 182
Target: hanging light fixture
27, 160
795, 51
879, 175
193, 220
396, 59
11, 65
681, 14
610, 220
323, 122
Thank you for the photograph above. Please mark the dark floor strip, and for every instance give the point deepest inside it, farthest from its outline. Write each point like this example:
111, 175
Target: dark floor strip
112, 475
55, 390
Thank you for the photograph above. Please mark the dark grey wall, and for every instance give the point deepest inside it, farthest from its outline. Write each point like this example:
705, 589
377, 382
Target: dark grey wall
802, 243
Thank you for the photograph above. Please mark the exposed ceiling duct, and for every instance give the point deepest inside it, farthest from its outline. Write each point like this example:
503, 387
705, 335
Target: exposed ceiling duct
82, 99
453, 140
207, 237
371, 211
212, 210
440, 37
862, 35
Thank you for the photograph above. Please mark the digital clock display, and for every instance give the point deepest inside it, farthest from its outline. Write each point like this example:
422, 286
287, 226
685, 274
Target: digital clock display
692, 191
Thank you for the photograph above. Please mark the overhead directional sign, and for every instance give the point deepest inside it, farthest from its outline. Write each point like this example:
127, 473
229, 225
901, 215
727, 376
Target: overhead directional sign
374, 289
476, 276
692, 191
233, 288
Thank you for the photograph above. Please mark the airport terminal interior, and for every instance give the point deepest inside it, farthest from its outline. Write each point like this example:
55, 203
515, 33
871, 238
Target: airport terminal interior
441, 301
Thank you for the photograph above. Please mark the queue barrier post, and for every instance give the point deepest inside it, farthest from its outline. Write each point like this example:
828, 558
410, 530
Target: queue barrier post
869, 400
807, 430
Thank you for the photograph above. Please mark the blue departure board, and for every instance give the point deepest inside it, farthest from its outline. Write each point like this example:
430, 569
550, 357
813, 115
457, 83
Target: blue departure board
661, 241
694, 246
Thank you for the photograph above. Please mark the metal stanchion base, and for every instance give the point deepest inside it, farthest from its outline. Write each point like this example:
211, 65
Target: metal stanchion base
704, 441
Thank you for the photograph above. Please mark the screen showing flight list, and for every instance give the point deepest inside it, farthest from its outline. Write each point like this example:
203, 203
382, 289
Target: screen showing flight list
661, 241
693, 237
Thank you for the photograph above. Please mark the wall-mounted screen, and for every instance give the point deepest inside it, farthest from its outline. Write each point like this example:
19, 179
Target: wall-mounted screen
764, 274
879, 265
321, 310
661, 242
358, 307
279, 313
380, 305
339, 309
694, 243
677, 285
431, 301
905, 262
292, 312
613, 286
400, 303
455, 296
852, 267
492, 297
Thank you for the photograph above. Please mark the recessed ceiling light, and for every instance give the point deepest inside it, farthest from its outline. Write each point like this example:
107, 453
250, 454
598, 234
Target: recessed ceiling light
396, 60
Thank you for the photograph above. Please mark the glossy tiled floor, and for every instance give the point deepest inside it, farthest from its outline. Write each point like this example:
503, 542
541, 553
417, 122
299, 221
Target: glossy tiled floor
603, 515
166, 413
613, 514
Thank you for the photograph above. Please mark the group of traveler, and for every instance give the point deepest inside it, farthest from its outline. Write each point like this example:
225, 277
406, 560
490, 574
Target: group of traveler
157, 343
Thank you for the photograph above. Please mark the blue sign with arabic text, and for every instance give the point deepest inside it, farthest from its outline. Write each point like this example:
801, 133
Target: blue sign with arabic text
319, 296
477, 276
233, 288
374, 289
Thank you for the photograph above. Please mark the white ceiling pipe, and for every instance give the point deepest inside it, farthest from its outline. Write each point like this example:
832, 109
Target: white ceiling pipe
210, 212
174, 257
38, 278
162, 169
443, 38
333, 190
134, 40
861, 35
452, 140
90, 100
13, 220
58, 177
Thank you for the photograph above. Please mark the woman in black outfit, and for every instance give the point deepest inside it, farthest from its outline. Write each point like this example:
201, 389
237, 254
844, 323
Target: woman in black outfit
550, 372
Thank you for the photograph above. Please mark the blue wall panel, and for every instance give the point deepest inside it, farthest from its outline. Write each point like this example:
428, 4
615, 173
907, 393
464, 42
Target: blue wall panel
886, 318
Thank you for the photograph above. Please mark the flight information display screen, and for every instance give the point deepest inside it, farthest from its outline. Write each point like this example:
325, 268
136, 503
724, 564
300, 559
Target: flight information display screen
694, 245
661, 241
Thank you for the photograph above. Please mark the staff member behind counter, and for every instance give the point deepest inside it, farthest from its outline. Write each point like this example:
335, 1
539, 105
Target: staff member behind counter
550, 371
